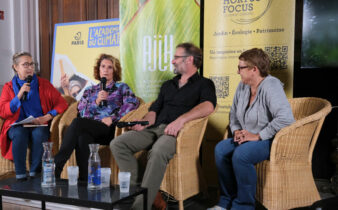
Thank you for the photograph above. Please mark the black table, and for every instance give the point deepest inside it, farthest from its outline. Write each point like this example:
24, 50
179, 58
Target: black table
78, 195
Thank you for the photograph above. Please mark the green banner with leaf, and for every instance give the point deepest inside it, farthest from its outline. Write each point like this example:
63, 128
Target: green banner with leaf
150, 31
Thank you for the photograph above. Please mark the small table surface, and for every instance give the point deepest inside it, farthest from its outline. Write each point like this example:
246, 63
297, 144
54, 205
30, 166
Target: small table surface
77, 195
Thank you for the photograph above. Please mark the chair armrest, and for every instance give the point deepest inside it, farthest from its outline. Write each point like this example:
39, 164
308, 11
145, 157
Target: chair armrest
132, 115
227, 133
190, 136
292, 143
289, 141
54, 133
54, 126
125, 118
296, 141
70, 100
67, 119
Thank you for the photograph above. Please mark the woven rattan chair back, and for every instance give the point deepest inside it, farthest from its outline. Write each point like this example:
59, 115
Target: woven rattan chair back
286, 181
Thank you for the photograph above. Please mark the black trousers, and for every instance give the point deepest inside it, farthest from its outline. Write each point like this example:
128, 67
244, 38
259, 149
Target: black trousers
78, 136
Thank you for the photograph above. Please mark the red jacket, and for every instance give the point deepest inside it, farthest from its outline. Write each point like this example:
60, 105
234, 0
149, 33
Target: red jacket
50, 99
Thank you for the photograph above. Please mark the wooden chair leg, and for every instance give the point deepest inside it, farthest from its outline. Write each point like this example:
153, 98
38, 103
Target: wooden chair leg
180, 205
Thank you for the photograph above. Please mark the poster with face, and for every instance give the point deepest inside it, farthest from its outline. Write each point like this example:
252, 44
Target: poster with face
76, 47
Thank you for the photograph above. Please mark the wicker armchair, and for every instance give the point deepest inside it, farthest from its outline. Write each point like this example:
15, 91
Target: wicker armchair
54, 127
106, 157
7, 166
183, 177
286, 181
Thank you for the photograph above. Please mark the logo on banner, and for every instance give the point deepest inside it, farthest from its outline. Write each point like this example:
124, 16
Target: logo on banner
158, 52
104, 36
77, 39
245, 11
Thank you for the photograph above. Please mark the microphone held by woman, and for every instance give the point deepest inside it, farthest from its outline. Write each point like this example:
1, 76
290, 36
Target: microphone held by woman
103, 87
28, 80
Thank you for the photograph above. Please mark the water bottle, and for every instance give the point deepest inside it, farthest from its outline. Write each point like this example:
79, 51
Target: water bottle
48, 166
94, 168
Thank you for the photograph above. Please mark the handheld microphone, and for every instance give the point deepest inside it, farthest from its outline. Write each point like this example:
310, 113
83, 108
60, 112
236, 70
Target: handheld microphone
103, 87
127, 124
28, 80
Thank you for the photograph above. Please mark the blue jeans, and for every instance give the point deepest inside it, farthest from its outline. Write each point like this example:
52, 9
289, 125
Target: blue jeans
20, 137
236, 171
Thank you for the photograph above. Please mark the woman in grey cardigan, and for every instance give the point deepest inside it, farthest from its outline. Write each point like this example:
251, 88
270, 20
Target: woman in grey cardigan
260, 109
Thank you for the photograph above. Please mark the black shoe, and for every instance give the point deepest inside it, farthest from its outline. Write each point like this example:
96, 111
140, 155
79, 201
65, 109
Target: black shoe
37, 175
21, 179
57, 175
82, 178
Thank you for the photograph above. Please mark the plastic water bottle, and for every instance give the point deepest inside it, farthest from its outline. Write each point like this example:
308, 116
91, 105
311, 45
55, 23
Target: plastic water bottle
94, 168
48, 166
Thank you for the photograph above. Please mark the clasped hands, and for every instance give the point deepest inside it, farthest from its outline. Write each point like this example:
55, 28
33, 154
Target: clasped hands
241, 136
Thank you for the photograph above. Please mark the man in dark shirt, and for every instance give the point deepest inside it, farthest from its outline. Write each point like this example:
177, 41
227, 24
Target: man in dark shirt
186, 97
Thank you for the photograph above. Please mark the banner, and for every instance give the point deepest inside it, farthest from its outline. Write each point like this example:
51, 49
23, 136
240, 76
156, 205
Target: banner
150, 31
231, 27
77, 45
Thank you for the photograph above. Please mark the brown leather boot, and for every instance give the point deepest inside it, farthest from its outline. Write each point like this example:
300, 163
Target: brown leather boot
159, 203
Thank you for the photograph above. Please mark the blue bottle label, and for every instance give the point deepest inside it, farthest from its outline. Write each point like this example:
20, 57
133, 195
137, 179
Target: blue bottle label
95, 175
48, 172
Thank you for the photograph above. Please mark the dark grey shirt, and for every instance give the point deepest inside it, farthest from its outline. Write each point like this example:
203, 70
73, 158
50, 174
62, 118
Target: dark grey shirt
269, 112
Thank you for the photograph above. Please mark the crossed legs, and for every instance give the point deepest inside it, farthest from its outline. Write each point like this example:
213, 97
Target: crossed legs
80, 133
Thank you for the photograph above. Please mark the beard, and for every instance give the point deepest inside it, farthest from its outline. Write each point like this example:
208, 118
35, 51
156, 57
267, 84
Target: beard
176, 71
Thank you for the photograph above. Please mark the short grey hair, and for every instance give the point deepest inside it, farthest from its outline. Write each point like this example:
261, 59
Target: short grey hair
16, 57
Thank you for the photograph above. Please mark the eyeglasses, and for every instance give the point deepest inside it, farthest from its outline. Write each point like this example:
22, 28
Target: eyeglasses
26, 64
180, 56
242, 67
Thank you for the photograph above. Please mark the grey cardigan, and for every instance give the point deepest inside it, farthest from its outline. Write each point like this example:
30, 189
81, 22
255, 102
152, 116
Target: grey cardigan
269, 112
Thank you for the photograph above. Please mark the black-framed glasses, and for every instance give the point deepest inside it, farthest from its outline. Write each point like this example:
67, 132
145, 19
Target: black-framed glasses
26, 64
180, 56
242, 67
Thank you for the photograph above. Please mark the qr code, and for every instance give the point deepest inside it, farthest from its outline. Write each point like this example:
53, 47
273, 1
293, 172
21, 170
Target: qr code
278, 56
222, 85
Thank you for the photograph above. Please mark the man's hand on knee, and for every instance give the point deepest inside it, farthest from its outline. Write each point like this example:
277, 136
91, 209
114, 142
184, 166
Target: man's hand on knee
174, 127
